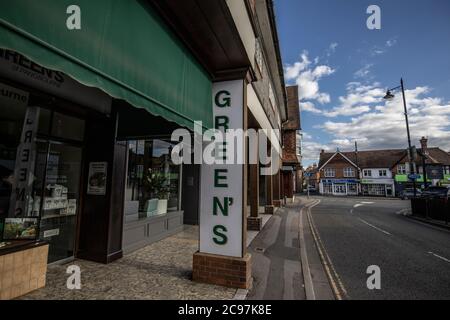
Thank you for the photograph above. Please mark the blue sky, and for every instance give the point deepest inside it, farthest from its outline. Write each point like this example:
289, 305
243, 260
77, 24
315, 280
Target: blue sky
343, 70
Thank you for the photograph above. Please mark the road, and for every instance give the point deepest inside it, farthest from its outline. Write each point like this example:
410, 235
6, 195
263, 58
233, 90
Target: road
355, 233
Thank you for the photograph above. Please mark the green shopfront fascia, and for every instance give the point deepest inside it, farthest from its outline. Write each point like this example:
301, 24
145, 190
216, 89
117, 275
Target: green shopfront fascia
152, 81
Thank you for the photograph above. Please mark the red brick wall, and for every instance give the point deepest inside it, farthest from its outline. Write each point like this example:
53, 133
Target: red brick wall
338, 163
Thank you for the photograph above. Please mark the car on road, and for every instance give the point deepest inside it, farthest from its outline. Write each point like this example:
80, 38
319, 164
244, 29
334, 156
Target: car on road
408, 193
311, 189
436, 192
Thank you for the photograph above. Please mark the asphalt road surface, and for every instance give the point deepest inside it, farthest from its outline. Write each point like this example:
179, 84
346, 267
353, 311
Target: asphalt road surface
414, 258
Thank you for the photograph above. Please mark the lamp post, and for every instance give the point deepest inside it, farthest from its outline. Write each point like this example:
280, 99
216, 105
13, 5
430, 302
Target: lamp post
390, 96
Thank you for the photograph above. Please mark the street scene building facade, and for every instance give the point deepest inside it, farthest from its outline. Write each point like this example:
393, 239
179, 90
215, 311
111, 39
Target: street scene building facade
383, 173
86, 130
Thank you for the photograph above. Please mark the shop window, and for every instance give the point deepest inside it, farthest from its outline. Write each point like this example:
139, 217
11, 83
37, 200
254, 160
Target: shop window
330, 173
349, 172
13, 106
153, 181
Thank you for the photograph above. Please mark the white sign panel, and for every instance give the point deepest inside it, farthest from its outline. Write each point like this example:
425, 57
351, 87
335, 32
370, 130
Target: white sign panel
221, 207
97, 178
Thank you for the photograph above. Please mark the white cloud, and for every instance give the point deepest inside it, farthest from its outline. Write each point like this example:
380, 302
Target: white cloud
332, 48
364, 72
307, 76
357, 101
310, 107
293, 71
391, 42
384, 126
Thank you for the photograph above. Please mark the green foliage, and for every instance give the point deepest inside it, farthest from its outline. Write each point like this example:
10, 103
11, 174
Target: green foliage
156, 183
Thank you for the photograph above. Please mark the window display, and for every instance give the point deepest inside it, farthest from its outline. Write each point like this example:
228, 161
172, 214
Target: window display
20, 229
152, 179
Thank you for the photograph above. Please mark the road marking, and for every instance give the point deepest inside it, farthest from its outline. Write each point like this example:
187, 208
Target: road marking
440, 257
336, 284
358, 205
367, 202
309, 287
376, 228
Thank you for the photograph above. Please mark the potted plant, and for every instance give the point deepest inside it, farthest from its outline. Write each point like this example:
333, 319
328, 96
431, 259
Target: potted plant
156, 185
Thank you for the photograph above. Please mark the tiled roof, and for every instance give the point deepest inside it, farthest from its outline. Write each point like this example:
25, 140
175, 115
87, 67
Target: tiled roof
387, 158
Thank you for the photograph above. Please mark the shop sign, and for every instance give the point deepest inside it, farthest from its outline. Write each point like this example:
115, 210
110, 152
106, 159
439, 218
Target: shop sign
377, 181
221, 207
17, 67
97, 178
24, 170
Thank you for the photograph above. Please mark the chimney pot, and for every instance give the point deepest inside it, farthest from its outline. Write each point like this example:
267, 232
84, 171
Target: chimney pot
424, 144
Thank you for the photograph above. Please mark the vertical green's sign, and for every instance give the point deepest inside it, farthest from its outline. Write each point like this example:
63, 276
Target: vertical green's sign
221, 205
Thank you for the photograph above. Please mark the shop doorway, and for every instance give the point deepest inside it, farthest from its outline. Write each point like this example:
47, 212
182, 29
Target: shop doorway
56, 196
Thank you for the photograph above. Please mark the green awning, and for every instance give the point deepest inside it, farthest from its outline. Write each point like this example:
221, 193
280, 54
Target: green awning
123, 48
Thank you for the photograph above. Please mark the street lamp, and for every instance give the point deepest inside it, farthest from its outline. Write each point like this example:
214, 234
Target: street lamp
389, 96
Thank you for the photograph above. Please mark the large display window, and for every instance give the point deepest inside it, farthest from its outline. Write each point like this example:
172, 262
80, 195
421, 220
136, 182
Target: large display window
40, 167
153, 181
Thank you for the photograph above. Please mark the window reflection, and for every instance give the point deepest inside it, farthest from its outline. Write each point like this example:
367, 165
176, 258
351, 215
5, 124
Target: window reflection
152, 187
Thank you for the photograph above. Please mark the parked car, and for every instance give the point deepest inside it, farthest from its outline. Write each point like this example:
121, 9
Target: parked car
311, 189
408, 193
436, 192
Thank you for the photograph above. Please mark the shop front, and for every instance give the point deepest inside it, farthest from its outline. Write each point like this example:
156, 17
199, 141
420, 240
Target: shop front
378, 187
80, 170
339, 187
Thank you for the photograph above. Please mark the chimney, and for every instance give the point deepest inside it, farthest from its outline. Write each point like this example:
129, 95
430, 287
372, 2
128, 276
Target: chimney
424, 145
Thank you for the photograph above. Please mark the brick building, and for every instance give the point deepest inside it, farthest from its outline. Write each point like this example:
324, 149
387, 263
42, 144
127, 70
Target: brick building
291, 170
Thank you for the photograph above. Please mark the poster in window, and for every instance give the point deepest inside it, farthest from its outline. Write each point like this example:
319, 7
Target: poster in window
20, 229
97, 178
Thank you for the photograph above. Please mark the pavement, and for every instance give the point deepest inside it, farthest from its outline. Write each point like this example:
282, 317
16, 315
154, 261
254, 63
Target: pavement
413, 257
286, 265
160, 271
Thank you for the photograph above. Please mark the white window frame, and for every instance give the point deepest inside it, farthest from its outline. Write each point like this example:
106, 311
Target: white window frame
382, 173
329, 172
349, 172
401, 169
367, 173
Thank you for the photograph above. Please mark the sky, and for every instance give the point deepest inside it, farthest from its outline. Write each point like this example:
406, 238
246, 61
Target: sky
343, 70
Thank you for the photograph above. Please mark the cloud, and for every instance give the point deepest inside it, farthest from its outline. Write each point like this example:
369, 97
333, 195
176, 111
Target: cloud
293, 71
391, 42
384, 126
307, 76
332, 49
364, 72
311, 149
310, 107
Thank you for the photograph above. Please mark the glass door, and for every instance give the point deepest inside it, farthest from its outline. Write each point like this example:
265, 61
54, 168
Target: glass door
57, 195
340, 189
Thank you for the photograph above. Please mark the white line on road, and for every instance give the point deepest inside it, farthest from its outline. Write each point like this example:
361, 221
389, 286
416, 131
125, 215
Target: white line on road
309, 286
440, 257
358, 205
367, 202
376, 228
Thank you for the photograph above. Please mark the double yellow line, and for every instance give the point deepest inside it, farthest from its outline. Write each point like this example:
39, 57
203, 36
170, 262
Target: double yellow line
337, 286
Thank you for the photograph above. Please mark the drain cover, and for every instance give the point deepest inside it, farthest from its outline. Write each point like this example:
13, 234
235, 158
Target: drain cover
259, 249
